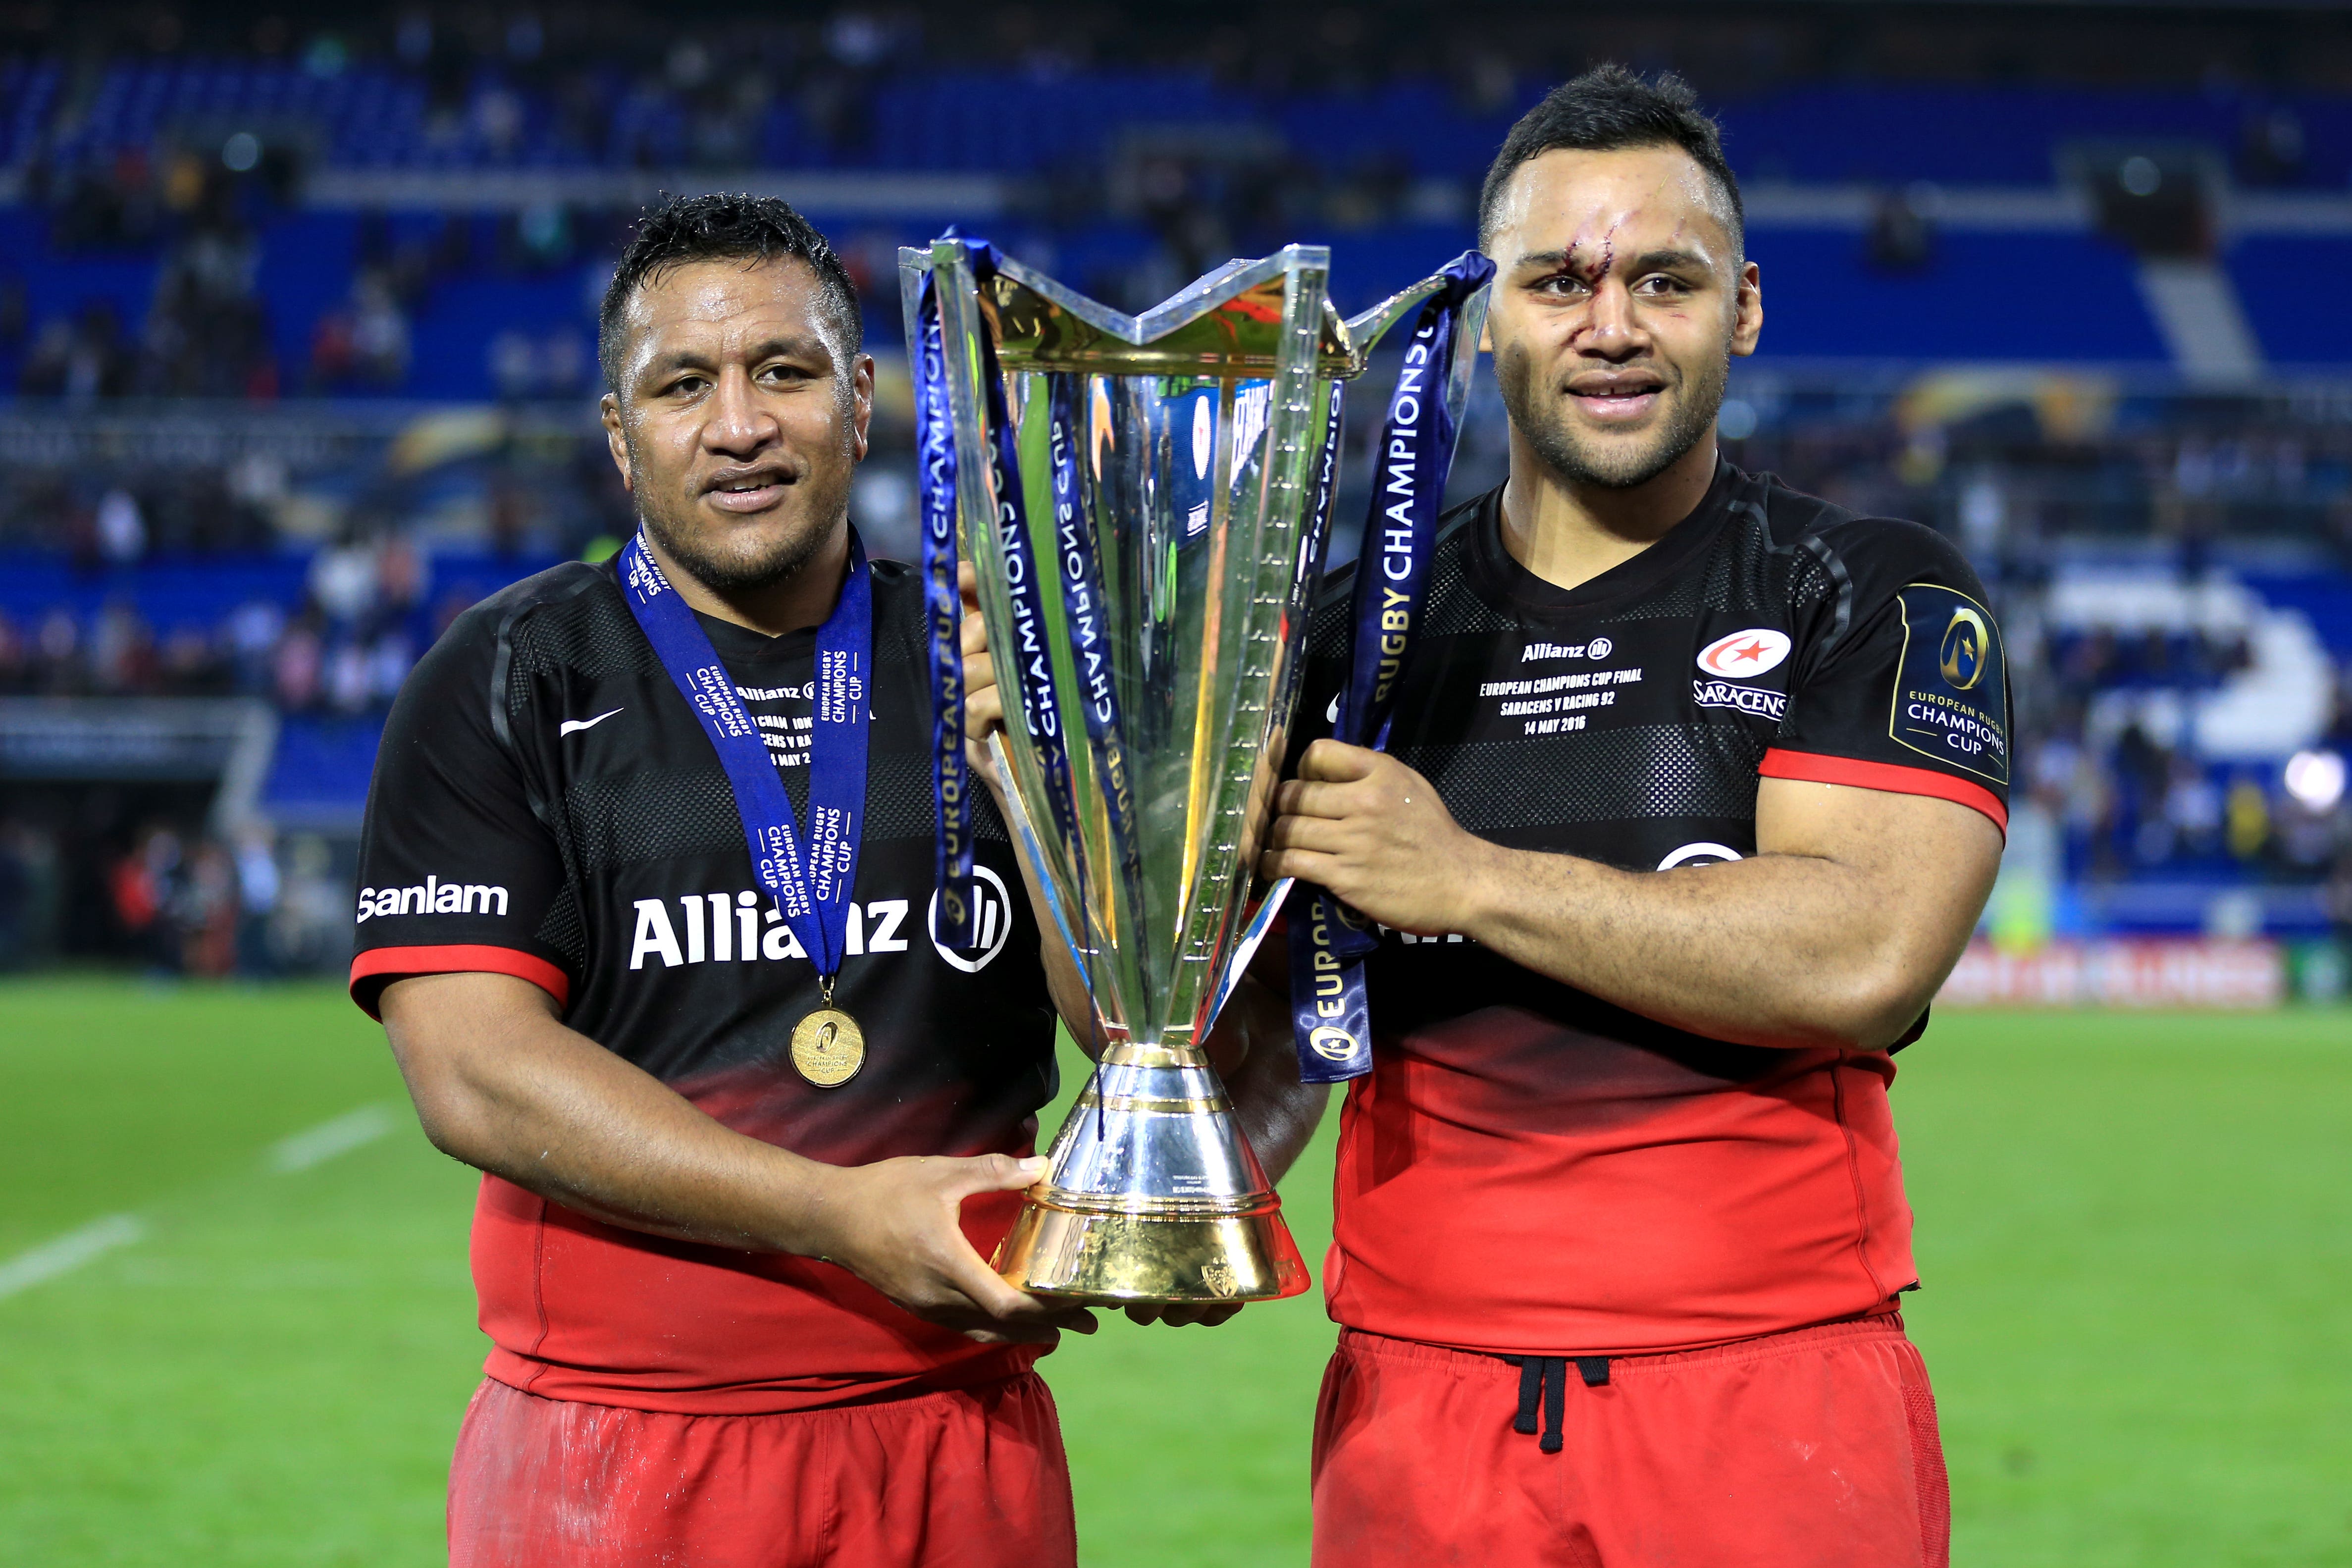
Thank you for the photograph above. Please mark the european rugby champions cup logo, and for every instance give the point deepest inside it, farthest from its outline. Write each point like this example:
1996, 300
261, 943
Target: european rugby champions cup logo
1949, 702
1332, 1043
1961, 655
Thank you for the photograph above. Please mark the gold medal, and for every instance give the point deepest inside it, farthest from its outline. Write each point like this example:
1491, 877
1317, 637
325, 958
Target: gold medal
829, 1047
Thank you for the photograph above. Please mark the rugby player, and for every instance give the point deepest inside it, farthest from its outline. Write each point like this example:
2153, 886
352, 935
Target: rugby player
1695, 788
738, 1314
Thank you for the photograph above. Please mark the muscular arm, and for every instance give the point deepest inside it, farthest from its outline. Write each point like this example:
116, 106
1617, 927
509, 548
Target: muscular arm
1837, 932
500, 1084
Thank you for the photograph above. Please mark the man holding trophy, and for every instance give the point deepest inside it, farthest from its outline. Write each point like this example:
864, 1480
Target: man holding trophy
1687, 792
1638, 808
649, 911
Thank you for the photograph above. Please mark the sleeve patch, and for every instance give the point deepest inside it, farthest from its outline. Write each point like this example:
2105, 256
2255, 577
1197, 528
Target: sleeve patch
1949, 700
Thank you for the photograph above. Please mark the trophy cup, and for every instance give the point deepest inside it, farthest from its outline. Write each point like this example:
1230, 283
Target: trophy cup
1144, 499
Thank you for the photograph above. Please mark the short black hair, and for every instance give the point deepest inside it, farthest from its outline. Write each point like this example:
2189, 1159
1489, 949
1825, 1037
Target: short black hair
1606, 109
724, 227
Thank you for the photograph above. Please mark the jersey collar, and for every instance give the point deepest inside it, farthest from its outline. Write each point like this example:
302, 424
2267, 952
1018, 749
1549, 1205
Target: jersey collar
1511, 588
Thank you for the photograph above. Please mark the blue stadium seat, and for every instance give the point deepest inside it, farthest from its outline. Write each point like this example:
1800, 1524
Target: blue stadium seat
2292, 293
1986, 297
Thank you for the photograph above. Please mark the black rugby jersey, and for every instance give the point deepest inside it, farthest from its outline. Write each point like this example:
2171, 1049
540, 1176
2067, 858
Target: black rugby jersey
545, 804
1528, 1168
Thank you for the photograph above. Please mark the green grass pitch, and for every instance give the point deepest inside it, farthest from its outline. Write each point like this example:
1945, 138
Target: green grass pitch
2136, 1233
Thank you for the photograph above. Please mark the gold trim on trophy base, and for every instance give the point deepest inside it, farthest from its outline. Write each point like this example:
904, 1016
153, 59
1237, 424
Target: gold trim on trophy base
1124, 1053
1151, 1104
1119, 1257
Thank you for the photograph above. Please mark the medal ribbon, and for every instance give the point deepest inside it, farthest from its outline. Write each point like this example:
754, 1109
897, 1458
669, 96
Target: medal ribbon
935, 475
810, 883
1330, 1015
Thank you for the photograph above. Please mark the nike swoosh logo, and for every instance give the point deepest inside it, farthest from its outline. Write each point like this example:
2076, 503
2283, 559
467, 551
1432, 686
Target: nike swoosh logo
569, 725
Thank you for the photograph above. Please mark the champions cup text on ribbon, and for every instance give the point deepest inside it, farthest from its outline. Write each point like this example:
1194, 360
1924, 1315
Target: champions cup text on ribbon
1080, 585
810, 883
1087, 614
1330, 1019
1030, 659
935, 471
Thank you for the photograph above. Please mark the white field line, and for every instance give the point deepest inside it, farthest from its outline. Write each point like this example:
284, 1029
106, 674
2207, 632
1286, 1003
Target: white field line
321, 1144
69, 1252
94, 1240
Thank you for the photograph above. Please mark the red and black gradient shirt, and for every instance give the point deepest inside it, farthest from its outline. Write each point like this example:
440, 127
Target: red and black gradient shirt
1528, 1168
546, 805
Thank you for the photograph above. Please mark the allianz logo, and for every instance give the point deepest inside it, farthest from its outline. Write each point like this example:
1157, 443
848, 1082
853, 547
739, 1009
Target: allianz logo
433, 897
745, 927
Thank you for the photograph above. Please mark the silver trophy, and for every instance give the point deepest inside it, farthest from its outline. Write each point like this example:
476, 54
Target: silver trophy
1143, 498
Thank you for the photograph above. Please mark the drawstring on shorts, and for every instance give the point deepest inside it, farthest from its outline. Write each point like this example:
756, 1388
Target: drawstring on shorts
1545, 1378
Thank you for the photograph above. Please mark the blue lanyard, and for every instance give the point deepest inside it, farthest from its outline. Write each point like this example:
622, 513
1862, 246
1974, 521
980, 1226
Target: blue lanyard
811, 882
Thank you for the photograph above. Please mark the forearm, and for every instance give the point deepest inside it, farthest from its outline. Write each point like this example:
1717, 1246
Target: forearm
554, 1113
1776, 950
1836, 931
500, 1084
1277, 1113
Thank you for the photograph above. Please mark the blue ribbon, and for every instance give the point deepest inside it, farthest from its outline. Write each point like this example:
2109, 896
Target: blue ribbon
1086, 615
935, 473
810, 882
1330, 1011
1029, 662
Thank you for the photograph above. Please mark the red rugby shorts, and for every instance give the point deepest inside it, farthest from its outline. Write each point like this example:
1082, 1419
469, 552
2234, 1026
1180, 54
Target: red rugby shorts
1815, 1449
967, 1478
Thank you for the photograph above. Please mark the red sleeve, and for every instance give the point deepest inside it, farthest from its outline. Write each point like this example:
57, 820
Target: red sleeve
1894, 777
378, 966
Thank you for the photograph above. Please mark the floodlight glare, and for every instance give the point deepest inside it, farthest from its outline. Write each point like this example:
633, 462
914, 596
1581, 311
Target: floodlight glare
2316, 779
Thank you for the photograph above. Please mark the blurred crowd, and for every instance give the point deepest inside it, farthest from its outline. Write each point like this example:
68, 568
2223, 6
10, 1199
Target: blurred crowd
344, 645
2133, 805
171, 901
206, 331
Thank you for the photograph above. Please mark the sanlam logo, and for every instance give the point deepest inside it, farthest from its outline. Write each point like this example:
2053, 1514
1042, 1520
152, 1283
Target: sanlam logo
433, 897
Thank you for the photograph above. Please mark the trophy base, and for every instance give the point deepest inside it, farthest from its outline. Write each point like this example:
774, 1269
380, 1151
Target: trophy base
1118, 1258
